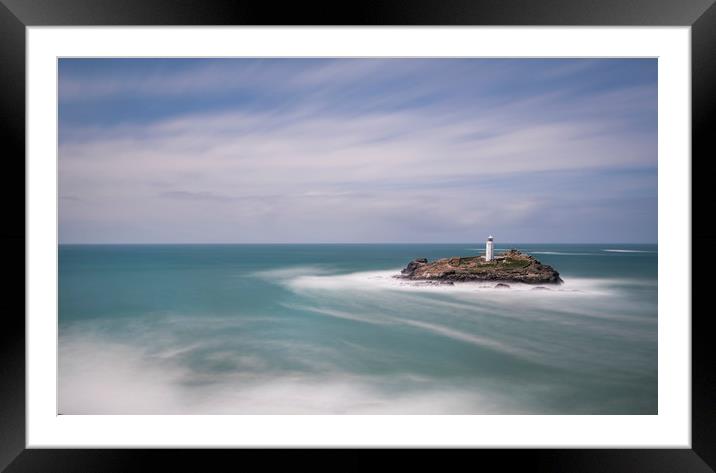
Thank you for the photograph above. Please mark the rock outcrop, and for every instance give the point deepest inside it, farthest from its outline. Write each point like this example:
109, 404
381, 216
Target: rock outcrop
510, 266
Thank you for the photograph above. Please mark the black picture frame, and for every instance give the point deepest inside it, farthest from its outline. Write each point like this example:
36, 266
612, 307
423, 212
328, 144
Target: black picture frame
16, 15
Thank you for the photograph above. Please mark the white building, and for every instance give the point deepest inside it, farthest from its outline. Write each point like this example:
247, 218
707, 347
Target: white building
489, 249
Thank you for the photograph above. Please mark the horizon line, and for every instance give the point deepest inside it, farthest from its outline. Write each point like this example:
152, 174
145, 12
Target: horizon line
355, 243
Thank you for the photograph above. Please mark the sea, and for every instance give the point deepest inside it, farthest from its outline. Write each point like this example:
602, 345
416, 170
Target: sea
328, 329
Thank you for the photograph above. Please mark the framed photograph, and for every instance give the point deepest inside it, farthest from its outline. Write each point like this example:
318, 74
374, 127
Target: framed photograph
431, 228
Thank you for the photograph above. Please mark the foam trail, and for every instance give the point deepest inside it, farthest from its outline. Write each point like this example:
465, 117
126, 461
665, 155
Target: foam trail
432, 328
629, 251
290, 272
386, 280
468, 338
104, 377
560, 253
377, 320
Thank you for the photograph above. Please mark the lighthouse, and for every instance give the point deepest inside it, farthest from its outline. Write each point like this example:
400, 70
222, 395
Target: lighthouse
489, 249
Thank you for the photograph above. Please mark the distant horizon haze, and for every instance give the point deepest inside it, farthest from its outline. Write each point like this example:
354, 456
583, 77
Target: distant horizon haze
498, 244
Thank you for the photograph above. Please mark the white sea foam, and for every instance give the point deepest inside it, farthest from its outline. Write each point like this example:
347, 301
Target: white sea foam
480, 341
340, 314
629, 251
100, 374
102, 377
433, 328
290, 272
387, 280
561, 253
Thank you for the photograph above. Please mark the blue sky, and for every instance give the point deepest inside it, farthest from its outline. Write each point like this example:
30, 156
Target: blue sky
357, 150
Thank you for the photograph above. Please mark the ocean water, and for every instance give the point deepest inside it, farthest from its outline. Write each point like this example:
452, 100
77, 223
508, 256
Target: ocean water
326, 329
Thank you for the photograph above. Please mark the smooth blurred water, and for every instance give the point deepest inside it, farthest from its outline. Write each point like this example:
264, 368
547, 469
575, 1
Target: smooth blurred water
326, 329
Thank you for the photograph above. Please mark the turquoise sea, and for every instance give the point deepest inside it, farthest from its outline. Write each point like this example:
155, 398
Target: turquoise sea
326, 329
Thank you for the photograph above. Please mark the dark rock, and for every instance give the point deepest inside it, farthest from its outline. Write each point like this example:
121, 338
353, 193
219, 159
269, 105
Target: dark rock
413, 265
434, 283
541, 288
502, 286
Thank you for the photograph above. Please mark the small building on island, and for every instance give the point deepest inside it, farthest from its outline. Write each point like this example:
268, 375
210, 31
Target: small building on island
510, 266
489, 249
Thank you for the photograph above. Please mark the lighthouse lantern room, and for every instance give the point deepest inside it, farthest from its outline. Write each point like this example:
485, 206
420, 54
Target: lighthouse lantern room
489, 249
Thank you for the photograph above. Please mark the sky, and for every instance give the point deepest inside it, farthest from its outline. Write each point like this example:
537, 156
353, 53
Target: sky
349, 150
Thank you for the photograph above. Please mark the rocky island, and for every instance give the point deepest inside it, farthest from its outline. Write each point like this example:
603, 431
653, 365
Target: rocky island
511, 266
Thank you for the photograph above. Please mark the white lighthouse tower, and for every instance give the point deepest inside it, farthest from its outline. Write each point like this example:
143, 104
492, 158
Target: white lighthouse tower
489, 249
